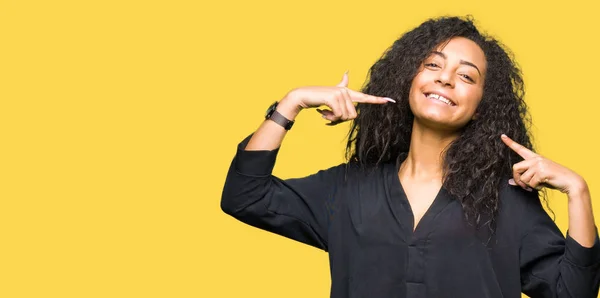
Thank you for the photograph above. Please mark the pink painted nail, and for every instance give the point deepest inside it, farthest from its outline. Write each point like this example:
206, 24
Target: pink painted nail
511, 181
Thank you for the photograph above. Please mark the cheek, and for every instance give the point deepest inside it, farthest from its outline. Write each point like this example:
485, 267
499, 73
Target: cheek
471, 97
421, 79
415, 82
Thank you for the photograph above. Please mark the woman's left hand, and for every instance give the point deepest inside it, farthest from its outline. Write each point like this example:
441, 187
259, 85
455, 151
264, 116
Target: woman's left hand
536, 171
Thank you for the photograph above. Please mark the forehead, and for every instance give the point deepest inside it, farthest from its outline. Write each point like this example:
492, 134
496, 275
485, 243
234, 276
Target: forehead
460, 48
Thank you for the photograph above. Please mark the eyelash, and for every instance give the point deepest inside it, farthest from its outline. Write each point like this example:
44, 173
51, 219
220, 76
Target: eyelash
431, 64
468, 78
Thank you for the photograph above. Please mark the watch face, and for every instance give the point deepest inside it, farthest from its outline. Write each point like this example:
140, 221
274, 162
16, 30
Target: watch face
270, 110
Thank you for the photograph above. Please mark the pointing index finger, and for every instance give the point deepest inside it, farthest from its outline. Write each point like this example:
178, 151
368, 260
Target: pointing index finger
365, 98
518, 148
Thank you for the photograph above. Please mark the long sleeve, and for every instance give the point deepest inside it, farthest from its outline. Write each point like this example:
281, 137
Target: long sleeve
294, 208
552, 266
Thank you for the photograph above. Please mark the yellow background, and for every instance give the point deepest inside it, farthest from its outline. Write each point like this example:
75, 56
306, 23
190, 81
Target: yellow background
118, 120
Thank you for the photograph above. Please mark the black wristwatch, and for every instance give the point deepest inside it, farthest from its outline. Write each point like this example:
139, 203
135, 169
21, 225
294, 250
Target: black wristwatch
278, 118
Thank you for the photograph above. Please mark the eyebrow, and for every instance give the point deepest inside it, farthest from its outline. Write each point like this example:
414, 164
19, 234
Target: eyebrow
461, 61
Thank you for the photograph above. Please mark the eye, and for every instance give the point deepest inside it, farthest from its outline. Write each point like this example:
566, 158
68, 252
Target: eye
468, 78
431, 64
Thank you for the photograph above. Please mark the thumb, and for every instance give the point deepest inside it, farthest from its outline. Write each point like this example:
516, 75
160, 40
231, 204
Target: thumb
344, 82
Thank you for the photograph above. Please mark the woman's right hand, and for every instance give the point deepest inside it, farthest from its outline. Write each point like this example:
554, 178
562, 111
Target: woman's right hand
339, 99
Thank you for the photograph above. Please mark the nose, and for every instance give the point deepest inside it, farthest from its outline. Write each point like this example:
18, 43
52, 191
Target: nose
445, 78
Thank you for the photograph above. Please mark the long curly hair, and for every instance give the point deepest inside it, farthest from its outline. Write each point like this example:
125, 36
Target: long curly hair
477, 161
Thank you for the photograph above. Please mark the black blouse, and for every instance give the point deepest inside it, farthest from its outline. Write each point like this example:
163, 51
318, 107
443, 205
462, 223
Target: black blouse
363, 219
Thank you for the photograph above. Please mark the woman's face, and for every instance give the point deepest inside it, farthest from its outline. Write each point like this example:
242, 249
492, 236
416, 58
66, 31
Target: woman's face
449, 85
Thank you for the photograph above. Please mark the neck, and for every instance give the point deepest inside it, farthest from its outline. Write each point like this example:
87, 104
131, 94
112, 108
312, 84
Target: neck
425, 158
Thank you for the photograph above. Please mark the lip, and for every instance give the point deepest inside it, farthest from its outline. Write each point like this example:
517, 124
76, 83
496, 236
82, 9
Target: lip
426, 93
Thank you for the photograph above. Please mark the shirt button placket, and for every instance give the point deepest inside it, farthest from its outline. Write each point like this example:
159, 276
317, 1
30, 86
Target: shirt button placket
415, 271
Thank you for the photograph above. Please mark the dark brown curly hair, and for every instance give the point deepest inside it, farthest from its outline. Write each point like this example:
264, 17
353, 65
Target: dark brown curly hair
477, 161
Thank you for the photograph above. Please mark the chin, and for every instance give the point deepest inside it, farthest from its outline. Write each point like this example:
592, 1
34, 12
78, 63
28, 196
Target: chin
437, 122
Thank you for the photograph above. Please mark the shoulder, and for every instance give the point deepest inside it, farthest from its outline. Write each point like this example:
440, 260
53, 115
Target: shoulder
356, 172
521, 207
517, 197
354, 177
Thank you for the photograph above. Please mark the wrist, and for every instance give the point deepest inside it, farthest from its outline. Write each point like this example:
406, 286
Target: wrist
289, 107
578, 190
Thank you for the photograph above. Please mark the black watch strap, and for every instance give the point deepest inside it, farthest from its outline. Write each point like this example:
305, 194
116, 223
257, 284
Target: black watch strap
277, 117
281, 120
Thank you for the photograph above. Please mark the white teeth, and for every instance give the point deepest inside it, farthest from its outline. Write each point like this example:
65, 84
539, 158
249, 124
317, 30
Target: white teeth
440, 98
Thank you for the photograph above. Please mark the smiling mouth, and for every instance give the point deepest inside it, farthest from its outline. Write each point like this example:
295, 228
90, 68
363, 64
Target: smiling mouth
440, 98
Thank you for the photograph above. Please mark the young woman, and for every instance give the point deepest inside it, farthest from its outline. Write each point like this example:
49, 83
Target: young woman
439, 197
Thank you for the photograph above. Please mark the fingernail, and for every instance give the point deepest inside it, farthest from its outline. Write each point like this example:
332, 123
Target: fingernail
503, 136
529, 189
389, 99
512, 182
324, 117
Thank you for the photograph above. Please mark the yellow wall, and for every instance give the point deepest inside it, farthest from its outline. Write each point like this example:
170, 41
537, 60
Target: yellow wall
118, 120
